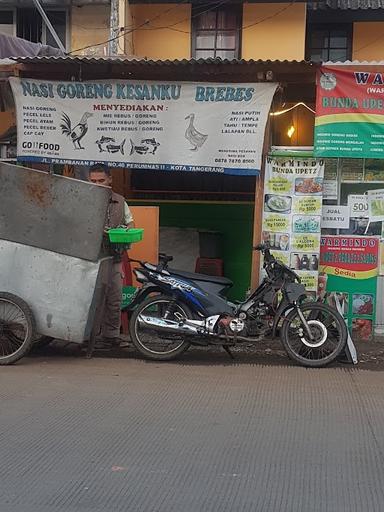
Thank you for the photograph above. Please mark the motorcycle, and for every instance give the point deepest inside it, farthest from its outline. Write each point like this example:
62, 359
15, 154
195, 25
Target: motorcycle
174, 310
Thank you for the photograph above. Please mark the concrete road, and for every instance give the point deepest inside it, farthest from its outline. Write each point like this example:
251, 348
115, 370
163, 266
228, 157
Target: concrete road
202, 435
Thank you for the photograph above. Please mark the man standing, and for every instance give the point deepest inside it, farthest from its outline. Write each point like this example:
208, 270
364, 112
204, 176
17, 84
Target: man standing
118, 214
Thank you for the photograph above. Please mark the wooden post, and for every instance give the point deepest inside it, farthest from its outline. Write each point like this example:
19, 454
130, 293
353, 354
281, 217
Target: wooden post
258, 210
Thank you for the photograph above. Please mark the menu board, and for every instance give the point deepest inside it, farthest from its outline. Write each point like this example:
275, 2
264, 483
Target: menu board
374, 170
292, 208
349, 266
352, 169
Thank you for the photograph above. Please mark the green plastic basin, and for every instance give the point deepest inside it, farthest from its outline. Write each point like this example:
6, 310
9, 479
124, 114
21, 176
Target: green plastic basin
125, 236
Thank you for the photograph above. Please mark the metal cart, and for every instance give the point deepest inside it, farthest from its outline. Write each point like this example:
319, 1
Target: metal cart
52, 275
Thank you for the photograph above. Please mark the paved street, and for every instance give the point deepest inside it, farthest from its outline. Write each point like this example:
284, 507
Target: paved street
204, 434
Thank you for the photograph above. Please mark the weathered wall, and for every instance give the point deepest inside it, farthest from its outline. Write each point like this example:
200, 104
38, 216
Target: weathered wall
277, 31
367, 43
163, 43
89, 26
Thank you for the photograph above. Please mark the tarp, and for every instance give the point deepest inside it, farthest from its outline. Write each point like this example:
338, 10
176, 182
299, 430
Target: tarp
164, 126
16, 47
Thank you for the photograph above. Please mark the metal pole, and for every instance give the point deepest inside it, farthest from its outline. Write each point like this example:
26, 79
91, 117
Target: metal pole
49, 25
114, 28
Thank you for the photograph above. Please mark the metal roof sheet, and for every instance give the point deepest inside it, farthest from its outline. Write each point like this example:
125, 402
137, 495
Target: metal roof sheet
149, 62
347, 4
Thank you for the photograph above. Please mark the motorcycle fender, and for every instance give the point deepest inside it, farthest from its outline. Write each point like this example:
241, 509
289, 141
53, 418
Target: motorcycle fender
141, 295
282, 311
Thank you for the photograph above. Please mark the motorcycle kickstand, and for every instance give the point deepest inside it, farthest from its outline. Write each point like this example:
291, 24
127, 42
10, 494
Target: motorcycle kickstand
228, 351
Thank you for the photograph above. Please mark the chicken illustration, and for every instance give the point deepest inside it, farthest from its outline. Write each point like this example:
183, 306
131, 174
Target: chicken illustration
196, 138
78, 131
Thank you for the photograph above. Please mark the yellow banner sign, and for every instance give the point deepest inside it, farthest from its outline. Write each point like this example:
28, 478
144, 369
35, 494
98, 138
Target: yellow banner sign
306, 243
278, 185
308, 205
276, 223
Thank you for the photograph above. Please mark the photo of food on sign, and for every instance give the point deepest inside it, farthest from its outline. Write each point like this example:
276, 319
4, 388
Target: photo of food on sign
304, 261
362, 329
278, 204
306, 224
362, 304
278, 241
307, 186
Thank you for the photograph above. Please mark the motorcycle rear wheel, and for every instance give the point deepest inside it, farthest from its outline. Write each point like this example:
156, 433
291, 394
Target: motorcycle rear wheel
329, 335
155, 344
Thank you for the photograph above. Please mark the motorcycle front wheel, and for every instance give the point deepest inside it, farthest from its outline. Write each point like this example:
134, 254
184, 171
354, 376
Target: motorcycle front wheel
154, 343
329, 335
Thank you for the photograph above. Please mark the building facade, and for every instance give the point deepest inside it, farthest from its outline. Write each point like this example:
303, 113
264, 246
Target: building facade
336, 30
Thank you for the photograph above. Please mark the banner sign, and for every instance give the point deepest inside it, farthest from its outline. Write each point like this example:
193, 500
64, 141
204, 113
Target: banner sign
167, 126
349, 113
375, 205
349, 266
292, 213
330, 189
336, 217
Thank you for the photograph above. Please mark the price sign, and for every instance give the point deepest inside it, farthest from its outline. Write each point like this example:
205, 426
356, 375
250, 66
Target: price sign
358, 205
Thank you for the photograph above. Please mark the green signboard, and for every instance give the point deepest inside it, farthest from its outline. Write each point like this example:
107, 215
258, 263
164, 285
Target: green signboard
349, 113
349, 266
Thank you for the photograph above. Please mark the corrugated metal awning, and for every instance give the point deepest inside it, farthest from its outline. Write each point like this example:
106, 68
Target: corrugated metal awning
298, 77
346, 4
123, 60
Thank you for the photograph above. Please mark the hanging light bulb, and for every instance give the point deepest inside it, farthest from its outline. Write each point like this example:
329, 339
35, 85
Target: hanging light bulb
291, 131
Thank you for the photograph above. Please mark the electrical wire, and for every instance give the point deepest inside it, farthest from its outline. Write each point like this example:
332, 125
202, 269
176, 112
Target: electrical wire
171, 27
128, 31
146, 22
369, 44
277, 13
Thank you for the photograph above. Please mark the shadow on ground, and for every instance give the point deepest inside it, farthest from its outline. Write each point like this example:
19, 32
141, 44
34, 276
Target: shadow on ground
371, 355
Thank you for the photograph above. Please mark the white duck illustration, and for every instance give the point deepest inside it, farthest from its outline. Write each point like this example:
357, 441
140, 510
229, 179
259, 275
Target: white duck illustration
196, 138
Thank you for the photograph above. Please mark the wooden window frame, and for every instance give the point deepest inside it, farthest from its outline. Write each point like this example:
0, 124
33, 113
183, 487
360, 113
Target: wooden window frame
329, 27
237, 10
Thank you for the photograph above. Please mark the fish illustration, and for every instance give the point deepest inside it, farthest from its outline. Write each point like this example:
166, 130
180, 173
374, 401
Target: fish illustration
108, 144
151, 142
145, 146
102, 143
115, 148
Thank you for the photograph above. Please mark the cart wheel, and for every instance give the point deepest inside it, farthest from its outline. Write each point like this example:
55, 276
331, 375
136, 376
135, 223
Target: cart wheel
16, 328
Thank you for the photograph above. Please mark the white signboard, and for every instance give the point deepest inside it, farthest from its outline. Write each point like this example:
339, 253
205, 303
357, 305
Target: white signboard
376, 205
330, 189
336, 217
358, 205
293, 193
165, 126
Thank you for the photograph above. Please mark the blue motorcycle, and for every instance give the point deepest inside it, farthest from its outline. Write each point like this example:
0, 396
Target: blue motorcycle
174, 310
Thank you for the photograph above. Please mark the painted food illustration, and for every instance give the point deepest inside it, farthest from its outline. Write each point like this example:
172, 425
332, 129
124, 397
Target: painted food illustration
362, 304
362, 329
377, 207
306, 224
281, 204
308, 186
278, 241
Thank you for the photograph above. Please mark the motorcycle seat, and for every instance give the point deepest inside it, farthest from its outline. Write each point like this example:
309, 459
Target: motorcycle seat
192, 276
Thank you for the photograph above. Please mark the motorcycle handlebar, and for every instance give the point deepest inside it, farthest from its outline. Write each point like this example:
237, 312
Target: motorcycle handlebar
266, 252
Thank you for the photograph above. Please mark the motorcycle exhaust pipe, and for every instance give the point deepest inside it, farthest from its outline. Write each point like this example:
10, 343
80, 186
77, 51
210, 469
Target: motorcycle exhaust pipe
162, 324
